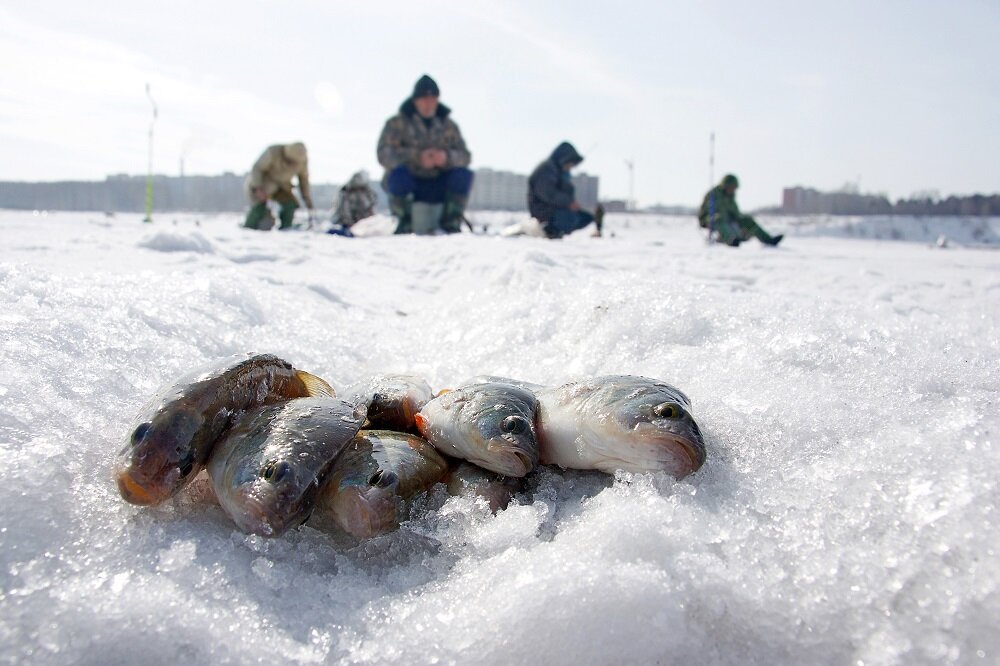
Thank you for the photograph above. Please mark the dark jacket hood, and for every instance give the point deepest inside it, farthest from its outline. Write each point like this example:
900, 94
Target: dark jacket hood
408, 108
565, 152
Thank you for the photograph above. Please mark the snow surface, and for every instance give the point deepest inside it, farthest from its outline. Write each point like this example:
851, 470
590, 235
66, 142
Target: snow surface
847, 390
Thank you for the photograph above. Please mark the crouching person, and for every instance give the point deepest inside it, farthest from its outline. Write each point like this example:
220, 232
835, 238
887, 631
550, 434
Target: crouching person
271, 180
552, 197
355, 202
722, 217
426, 164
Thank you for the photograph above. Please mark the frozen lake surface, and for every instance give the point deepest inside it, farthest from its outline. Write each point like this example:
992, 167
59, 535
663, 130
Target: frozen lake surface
848, 392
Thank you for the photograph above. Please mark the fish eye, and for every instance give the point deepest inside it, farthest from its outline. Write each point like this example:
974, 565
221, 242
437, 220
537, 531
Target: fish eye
668, 410
275, 471
514, 424
382, 479
140, 432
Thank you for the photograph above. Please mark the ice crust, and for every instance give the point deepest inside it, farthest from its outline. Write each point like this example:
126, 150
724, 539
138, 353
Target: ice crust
847, 390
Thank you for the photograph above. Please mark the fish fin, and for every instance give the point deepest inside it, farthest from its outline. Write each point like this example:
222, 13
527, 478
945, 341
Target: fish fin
316, 387
421, 422
442, 392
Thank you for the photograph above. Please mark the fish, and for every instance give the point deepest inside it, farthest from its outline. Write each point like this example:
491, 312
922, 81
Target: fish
368, 489
467, 480
393, 401
490, 424
173, 435
619, 422
268, 469
497, 379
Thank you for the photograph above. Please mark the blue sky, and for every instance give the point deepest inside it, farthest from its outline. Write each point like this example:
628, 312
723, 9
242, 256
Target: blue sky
901, 96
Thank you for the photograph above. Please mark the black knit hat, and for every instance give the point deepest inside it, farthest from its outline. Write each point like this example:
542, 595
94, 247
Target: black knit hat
424, 87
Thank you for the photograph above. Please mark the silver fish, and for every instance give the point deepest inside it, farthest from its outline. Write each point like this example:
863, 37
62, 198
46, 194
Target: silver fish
173, 435
268, 470
619, 422
368, 489
491, 425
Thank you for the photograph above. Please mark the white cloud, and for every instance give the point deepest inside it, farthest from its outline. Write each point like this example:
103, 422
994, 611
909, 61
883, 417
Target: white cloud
75, 97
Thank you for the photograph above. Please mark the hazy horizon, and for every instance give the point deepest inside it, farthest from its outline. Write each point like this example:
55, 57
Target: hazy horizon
896, 97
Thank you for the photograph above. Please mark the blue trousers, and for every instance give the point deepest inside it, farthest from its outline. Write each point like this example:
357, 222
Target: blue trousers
566, 221
402, 182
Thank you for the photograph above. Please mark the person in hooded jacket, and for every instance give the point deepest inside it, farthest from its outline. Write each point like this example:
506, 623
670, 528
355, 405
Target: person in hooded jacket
425, 162
722, 217
355, 202
552, 197
270, 179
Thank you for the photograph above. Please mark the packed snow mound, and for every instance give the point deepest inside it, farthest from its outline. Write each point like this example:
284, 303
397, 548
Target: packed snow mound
173, 241
944, 230
847, 392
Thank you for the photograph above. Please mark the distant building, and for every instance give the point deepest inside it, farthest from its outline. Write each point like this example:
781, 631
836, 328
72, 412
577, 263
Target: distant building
615, 206
498, 190
505, 190
124, 193
848, 201
586, 190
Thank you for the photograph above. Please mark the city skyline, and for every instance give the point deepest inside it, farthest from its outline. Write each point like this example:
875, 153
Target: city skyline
902, 95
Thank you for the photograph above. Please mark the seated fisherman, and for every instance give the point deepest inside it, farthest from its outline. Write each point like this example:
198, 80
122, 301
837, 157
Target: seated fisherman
720, 214
271, 180
426, 164
552, 197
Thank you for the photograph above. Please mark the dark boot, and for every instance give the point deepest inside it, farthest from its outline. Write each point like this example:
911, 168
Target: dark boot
454, 213
751, 228
402, 209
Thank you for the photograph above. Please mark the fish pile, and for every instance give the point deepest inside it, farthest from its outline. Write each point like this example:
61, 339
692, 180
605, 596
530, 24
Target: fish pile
279, 445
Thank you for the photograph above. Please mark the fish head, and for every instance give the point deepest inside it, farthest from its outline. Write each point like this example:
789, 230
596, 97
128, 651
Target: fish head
653, 423
501, 423
367, 507
270, 496
160, 456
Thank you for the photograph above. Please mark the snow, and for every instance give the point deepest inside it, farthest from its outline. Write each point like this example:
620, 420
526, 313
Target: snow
847, 390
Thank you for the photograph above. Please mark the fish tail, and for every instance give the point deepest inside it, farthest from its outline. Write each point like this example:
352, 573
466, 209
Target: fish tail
316, 387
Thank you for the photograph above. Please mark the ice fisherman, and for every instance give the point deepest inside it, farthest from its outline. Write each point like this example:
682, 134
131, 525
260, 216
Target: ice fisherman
270, 179
722, 216
355, 202
426, 164
552, 197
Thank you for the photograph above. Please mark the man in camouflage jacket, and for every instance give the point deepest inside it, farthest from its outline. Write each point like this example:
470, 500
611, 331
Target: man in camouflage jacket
270, 179
722, 216
425, 159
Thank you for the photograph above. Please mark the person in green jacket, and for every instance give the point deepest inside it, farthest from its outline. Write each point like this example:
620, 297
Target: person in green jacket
722, 216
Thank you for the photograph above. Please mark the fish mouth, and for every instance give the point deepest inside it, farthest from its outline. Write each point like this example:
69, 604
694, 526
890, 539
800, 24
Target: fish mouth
687, 455
508, 460
134, 492
366, 514
256, 515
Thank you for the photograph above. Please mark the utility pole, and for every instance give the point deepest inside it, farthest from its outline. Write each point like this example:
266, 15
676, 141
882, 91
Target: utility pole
711, 159
631, 184
149, 171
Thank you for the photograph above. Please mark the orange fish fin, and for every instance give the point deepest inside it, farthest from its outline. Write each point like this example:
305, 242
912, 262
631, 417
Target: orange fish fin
316, 387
